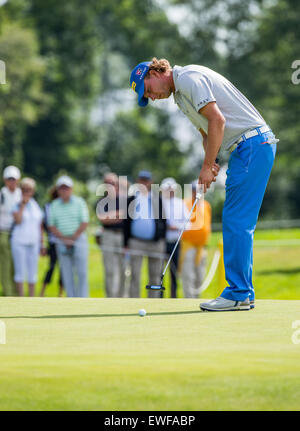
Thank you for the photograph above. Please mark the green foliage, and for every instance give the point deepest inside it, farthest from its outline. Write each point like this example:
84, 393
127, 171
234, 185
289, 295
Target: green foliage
22, 99
79, 42
139, 140
264, 73
139, 30
63, 58
62, 139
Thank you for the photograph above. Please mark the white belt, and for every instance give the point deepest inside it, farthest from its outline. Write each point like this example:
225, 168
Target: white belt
250, 134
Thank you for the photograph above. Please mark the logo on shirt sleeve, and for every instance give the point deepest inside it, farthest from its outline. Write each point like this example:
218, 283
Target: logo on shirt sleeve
203, 102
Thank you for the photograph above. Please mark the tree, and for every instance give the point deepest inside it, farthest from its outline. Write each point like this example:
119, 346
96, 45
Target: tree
77, 40
265, 71
142, 140
23, 99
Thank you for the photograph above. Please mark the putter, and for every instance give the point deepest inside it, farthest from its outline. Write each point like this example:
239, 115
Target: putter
160, 286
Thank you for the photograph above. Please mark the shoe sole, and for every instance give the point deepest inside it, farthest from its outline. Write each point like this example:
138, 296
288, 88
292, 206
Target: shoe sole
238, 308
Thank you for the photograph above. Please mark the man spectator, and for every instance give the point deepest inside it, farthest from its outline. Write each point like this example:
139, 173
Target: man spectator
10, 195
68, 220
111, 218
176, 214
194, 239
144, 233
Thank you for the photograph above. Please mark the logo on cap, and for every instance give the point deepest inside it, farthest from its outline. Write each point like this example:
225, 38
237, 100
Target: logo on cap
137, 81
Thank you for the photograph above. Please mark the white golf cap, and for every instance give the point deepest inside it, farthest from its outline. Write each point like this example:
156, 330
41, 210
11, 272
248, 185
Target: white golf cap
11, 172
168, 183
64, 180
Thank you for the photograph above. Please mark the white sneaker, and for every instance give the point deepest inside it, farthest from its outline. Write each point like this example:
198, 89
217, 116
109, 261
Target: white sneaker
223, 304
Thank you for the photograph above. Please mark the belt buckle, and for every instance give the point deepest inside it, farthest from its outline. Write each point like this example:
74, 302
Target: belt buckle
233, 147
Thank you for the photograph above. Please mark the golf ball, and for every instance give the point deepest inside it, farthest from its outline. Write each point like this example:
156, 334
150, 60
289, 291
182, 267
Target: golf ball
142, 312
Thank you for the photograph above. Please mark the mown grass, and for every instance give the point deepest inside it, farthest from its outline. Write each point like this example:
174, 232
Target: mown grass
98, 354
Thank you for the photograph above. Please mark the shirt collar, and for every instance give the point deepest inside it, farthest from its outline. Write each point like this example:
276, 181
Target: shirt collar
176, 71
70, 200
6, 190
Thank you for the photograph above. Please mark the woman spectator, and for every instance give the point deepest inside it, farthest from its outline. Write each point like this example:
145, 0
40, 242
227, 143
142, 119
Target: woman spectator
51, 251
26, 238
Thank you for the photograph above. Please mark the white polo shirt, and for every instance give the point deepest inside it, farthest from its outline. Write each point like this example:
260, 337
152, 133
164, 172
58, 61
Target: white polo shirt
196, 86
28, 232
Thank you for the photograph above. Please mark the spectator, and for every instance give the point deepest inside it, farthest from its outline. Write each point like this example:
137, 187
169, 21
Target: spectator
193, 252
112, 238
10, 195
51, 246
176, 214
123, 187
68, 220
27, 237
144, 233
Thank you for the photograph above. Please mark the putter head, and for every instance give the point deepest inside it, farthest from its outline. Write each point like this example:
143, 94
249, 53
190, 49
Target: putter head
155, 287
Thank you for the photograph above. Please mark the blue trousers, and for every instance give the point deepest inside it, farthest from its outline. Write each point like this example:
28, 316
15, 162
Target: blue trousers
248, 173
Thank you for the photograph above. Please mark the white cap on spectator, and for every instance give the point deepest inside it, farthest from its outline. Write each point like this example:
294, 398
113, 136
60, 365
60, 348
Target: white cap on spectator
64, 180
11, 172
168, 183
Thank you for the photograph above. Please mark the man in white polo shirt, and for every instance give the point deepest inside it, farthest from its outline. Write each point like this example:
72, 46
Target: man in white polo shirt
10, 196
224, 116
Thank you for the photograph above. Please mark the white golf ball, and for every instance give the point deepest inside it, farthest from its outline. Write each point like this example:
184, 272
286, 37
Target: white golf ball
142, 312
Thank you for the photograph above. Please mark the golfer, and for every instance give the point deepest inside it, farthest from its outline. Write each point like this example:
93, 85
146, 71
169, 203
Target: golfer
223, 116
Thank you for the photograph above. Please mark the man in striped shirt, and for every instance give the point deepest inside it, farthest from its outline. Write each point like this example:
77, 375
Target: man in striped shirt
68, 220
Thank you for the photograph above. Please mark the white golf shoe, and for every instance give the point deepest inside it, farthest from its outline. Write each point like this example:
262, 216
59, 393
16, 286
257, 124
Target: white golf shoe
223, 304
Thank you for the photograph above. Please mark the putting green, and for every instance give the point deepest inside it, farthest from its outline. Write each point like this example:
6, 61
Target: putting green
98, 354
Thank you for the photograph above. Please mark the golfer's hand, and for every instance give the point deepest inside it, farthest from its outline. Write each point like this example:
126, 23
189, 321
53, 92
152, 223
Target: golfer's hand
216, 168
207, 176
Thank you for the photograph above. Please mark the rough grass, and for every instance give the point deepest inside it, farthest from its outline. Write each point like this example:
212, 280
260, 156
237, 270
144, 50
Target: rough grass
276, 267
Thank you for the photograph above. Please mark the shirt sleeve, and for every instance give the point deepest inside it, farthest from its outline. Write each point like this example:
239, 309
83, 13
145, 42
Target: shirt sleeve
41, 214
15, 208
50, 216
198, 89
84, 212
